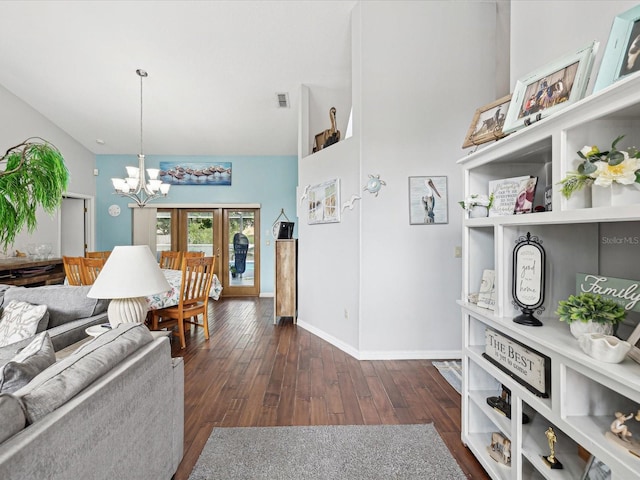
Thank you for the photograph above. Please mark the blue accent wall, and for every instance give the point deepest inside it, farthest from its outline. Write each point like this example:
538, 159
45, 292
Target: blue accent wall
267, 180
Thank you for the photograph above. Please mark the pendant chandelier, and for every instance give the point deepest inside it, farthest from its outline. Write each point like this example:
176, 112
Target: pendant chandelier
136, 186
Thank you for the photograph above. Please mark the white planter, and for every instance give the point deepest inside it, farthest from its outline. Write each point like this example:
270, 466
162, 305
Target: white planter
581, 328
478, 212
615, 196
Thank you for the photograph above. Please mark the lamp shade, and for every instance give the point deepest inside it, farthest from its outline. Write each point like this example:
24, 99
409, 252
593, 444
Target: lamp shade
130, 271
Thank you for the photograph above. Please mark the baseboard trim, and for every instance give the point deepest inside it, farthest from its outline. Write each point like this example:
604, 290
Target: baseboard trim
383, 354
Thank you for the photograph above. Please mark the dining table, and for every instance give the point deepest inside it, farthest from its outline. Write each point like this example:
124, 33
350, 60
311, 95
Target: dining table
171, 297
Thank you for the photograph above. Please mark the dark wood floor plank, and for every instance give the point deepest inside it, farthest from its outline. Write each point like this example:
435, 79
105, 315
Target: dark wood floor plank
252, 373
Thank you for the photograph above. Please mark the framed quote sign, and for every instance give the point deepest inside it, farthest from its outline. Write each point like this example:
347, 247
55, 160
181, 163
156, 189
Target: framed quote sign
528, 279
528, 367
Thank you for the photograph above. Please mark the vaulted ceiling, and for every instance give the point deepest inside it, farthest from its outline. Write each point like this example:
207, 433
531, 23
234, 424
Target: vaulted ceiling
214, 68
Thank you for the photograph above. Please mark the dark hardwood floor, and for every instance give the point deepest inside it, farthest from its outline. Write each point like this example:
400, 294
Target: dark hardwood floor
254, 373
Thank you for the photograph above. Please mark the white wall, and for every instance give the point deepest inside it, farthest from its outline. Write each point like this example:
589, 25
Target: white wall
23, 122
568, 25
414, 94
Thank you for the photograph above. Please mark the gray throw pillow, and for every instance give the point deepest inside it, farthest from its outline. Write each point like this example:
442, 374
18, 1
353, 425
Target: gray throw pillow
72, 374
12, 418
65, 303
20, 320
29, 362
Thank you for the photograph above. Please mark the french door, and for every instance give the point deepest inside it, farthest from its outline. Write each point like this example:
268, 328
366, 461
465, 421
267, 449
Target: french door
231, 235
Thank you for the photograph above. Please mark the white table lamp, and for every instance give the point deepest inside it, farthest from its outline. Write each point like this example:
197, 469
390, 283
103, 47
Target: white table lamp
130, 274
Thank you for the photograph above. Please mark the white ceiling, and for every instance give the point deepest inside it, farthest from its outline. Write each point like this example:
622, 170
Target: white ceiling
214, 69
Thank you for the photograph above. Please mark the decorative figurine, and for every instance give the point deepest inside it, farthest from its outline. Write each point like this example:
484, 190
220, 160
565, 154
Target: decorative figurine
551, 460
329, 136
502, 404
500, 448
621, 435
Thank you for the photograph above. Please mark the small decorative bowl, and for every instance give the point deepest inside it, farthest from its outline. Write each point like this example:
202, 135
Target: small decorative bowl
472, 298
605, 348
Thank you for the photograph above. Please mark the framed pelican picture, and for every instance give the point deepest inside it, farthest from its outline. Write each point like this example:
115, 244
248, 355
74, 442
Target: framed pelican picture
428, 204
196, 173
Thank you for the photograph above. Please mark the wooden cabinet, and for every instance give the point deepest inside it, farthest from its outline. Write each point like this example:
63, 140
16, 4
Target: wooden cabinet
584, 393
30, 273
285, 302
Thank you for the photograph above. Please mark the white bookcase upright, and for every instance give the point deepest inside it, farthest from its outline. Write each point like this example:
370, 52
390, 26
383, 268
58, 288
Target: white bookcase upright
584, 393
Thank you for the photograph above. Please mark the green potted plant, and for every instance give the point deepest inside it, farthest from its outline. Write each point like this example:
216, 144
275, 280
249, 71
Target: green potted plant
32, 174
590, 313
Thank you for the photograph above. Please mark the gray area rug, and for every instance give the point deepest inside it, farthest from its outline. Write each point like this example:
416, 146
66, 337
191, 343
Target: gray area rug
349, 452
451, 370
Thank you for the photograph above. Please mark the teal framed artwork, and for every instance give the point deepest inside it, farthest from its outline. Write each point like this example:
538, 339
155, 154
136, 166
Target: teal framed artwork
622, 55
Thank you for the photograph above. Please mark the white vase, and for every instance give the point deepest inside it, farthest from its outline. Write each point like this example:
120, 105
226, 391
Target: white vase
616, 195
579, 328
478, 211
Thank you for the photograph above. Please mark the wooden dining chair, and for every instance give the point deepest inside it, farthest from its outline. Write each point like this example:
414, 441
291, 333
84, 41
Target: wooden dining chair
170, 259
192, 254
91, 269
73, 270
197, 274
102, 254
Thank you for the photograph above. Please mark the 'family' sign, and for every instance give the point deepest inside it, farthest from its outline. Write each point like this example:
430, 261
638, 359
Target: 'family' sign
625, 292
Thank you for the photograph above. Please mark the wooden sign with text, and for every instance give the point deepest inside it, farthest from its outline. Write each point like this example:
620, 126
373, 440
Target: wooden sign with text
622, 291
528, 367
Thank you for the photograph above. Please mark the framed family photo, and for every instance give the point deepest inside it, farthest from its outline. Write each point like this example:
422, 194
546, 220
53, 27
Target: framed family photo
487, 123
549, 89
596, 470
622, 55
428, 200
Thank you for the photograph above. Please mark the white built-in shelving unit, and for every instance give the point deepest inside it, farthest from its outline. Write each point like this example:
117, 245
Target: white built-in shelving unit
584, 393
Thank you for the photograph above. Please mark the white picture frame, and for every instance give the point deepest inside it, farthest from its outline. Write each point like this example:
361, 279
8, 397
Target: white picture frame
553, 87
323, 202
625, 30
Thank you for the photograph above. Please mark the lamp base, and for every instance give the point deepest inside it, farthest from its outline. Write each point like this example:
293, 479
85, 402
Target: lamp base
127, 310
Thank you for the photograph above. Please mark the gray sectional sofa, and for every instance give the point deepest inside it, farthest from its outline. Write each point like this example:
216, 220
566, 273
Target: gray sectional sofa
70, 311
114, 408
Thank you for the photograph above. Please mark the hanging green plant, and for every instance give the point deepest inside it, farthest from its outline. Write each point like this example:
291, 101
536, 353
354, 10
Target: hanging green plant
32, 174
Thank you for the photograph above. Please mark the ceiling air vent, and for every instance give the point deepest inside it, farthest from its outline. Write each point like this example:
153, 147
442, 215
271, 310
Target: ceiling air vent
283, 100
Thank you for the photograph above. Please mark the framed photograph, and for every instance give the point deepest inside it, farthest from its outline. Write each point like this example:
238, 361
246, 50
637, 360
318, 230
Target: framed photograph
549, 89
324, 202
487, 123
622, 55
196, 173
596, 470
428, 200
634, 340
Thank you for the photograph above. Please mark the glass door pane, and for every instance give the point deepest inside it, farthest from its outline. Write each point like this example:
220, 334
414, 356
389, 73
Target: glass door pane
242, 251
200, 232
163, 231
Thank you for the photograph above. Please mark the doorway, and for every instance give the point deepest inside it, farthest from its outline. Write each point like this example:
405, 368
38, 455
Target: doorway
231, 235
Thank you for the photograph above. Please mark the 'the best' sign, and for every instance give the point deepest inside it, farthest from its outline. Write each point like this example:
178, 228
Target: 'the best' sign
526, 366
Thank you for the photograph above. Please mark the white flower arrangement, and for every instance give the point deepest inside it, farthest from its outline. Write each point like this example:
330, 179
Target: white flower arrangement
603, 168
476, 200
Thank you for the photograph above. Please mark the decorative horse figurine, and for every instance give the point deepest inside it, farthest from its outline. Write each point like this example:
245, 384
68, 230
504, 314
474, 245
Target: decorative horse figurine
330, 136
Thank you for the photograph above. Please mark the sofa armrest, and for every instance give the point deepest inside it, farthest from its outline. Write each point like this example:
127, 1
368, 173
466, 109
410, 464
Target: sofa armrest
178, 413
71, 332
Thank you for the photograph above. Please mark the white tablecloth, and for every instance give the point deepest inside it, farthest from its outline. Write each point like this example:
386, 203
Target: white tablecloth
170, 298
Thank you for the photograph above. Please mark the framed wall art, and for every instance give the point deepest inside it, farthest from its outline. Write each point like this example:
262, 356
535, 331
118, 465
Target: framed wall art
323, 202
487, 123
622, 55
428, 203
196, 173
549, 89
